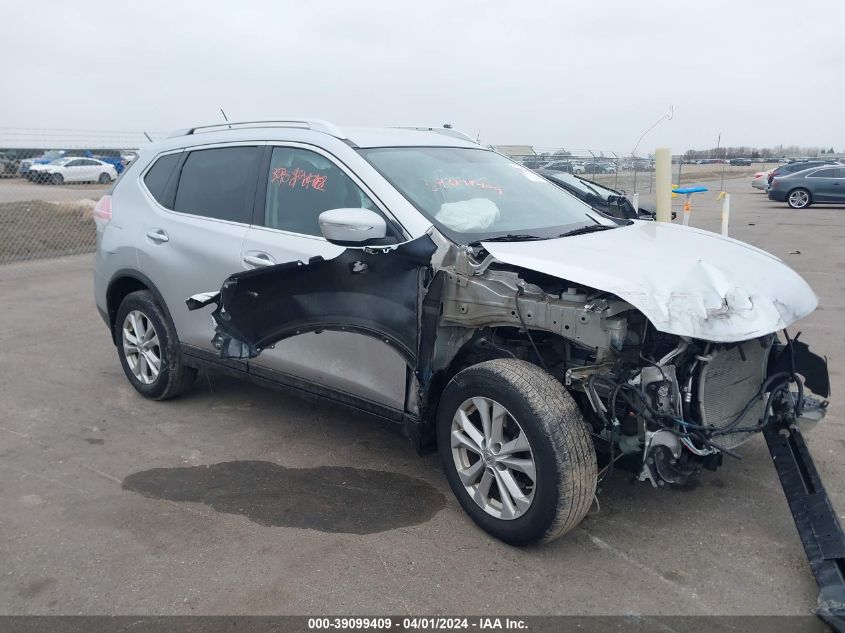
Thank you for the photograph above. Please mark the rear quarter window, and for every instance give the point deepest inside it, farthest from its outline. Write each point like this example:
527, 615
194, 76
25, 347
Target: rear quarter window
159, 175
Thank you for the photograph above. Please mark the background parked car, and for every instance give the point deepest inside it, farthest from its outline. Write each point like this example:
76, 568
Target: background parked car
558, 165
796, 166
73, 169
110, 156
8, 164
802, 188
598, 167
741, 162
609, 201
761, 179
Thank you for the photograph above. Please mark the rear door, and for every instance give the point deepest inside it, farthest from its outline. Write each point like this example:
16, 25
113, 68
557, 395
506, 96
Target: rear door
297, 184
822, 184
74, 170
837, 187
201, 204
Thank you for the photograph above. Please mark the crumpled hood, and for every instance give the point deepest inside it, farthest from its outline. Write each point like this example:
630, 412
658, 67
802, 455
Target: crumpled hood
687, 281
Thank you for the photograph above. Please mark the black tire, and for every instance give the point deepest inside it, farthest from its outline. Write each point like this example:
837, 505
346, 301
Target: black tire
563, 453
57, 179
174, 377
104, 178
799, 198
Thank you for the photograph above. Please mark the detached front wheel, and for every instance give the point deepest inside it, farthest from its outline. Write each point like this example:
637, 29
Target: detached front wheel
516, 451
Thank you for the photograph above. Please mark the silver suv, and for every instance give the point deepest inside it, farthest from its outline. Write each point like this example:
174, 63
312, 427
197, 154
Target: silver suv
425, 279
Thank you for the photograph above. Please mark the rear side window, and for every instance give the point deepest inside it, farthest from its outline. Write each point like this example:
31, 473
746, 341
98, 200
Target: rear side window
218, 183
159, 174
822, 173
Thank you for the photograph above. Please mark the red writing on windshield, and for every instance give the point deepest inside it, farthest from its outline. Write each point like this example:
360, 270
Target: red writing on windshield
450, 183
298, 178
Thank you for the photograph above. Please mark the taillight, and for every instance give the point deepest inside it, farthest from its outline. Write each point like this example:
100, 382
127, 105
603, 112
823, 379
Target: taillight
102, 212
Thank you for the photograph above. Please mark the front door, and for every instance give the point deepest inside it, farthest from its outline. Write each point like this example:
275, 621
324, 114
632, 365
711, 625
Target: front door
298, 185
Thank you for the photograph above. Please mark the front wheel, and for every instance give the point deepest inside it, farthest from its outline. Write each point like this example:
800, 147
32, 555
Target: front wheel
57, 179
798, 199
516, 451
105, 178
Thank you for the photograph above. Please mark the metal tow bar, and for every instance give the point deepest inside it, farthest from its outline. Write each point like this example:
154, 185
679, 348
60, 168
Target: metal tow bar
816, 521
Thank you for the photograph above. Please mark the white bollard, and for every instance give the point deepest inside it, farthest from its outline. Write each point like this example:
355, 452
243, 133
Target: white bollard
636, 202
663, 183
726, 213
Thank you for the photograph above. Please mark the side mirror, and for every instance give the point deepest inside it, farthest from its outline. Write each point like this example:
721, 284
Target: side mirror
352, 227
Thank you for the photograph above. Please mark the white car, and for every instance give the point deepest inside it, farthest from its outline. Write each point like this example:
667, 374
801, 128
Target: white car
761, 179
73, 169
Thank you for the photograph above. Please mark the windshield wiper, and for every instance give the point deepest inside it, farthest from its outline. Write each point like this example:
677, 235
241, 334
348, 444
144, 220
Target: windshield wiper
592, 228
510, 237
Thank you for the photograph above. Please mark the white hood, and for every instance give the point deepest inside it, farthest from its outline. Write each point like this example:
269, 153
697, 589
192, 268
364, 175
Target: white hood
687, 281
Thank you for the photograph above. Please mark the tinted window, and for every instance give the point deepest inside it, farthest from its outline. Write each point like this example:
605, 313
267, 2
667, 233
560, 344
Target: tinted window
822, 173
217, 183
75, 163
303, 184
839, 172
158, 175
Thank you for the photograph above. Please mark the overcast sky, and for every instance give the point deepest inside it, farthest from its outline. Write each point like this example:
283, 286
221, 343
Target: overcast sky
577, 74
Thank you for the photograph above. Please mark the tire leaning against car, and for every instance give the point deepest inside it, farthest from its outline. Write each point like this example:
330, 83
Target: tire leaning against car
139, 311
563, 455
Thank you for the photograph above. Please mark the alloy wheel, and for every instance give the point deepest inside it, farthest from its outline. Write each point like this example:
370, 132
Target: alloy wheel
493, 458
799, 199
141, 347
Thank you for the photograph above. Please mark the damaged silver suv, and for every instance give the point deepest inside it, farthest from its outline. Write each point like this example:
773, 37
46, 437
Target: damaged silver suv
420, 277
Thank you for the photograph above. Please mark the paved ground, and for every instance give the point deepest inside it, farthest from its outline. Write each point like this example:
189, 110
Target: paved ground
284, 520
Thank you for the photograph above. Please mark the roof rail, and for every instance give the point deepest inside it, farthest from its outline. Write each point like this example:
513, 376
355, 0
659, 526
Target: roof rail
317, 125
446, 131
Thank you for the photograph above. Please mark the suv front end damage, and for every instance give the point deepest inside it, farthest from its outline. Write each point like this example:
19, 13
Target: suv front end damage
660, 403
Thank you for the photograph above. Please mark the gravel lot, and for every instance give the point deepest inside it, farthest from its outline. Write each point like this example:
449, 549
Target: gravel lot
306, 508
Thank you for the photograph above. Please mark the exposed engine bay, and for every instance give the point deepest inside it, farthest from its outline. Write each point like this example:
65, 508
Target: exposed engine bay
660, 405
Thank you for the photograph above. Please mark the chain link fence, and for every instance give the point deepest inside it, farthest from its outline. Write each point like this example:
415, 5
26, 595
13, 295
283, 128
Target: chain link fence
50, 181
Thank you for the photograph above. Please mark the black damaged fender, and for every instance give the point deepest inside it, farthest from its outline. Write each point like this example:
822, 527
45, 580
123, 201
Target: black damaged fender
375, 291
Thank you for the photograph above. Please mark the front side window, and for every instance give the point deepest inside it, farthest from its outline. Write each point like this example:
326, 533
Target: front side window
474, 194
301, 185
218, 183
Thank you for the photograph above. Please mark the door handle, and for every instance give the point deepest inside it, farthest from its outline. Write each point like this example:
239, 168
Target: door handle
158, 236
259, 260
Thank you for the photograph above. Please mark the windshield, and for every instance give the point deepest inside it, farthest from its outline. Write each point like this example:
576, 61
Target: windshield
475, 194
60, 161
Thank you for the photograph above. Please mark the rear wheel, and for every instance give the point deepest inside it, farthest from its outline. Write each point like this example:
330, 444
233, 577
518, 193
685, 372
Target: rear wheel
57, 179
516, 451
799, 199
105, 178
149, 348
